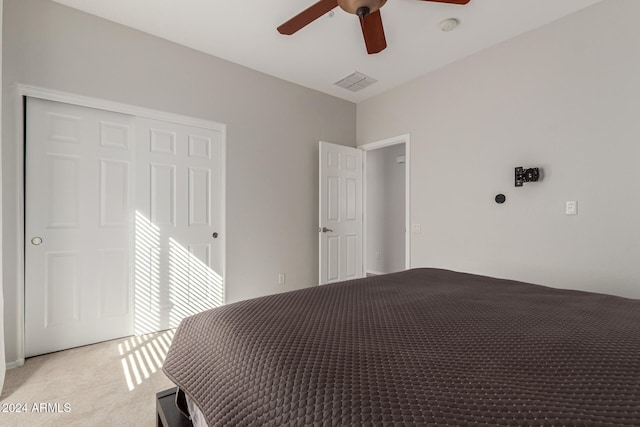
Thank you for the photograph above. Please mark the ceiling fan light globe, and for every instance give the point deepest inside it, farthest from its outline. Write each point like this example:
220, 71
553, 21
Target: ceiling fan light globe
352, 6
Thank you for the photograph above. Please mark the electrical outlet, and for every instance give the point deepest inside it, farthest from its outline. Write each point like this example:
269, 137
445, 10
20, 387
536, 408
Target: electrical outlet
571, 208
282, 278
378, 255
416, 228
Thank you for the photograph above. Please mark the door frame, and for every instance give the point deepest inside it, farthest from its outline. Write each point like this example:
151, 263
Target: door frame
400, 139
21, 92
3, 366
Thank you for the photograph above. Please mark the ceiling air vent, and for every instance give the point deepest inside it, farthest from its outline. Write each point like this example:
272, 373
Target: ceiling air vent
356, 82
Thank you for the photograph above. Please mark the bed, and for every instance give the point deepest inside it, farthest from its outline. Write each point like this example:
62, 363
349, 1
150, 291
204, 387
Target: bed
420, 347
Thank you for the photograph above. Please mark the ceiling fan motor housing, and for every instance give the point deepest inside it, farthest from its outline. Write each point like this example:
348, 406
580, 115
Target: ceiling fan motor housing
361, 8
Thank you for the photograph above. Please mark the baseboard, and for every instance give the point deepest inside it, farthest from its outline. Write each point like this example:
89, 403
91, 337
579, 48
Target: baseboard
377, 273
15, 364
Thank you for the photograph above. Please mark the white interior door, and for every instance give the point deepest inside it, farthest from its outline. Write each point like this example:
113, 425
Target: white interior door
78, 226
179, 237
340, 227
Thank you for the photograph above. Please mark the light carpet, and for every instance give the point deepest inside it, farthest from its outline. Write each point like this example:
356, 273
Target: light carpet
107, 384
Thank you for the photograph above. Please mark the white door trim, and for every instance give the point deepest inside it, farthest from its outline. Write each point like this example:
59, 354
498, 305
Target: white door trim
22, 91
401, 139
2, 353
116, 107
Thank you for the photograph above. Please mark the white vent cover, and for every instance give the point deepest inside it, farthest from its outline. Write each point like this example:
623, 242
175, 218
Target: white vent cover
356, 81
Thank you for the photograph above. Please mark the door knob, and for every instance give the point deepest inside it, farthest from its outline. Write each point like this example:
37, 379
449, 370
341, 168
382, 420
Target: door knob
215, 235
36, 241
326, 230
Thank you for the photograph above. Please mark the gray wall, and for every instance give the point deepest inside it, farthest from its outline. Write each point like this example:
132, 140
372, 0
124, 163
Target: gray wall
385, 210
565, 98
273, 128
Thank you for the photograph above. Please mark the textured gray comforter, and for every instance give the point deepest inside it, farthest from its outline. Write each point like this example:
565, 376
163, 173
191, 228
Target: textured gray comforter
422, 347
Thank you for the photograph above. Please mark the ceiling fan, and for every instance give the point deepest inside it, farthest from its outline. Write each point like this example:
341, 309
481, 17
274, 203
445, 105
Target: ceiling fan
367, 10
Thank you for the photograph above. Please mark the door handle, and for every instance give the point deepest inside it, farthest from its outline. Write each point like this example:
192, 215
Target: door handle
326, 230
36, 241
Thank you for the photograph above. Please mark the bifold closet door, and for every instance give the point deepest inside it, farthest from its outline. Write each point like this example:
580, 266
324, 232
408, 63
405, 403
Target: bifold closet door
78, 226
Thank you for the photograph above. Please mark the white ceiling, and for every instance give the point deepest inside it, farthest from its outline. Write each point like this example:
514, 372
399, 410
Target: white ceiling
329, 49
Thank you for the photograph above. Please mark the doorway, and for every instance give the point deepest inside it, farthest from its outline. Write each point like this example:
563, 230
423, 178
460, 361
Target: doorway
386, 206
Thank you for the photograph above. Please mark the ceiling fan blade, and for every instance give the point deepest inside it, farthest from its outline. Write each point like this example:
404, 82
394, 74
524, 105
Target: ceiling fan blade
451, 1
373, 32
307, 16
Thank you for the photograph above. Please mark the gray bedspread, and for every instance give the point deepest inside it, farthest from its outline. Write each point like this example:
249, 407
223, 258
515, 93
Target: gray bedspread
421, 347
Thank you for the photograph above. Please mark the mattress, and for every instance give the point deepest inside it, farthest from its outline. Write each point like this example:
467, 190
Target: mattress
422, 347
195, 414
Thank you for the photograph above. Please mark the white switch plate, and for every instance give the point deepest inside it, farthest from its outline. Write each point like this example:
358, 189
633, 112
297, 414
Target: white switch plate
416, 228
571, 208
282, 278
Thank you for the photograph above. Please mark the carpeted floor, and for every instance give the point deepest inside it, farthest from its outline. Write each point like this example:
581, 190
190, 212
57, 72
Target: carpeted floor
107, 384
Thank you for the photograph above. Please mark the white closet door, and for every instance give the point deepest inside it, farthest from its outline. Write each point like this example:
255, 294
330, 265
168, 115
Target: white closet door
78, 208
179, 236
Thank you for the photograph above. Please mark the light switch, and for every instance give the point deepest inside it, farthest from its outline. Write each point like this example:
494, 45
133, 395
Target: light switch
571, 208
416, 228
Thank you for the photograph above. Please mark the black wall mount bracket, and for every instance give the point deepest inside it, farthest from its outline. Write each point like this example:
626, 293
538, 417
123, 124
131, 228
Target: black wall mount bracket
523, 175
